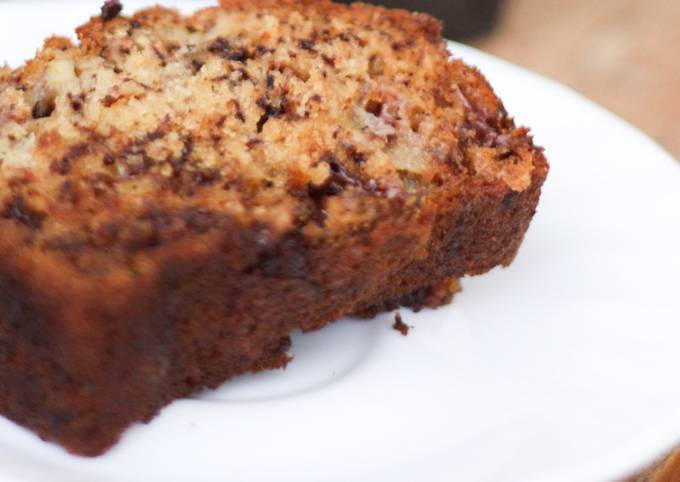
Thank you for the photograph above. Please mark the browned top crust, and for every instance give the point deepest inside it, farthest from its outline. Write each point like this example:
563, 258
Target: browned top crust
273, 116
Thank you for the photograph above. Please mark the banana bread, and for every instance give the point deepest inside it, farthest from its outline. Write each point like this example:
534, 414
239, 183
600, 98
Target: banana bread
178, 194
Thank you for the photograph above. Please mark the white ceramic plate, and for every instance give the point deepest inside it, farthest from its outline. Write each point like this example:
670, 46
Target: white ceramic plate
563, 367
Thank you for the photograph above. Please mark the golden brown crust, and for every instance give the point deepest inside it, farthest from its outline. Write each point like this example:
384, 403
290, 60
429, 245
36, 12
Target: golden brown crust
171, 284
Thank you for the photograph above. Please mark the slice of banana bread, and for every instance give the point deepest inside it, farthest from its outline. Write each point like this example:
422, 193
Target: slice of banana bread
178, 194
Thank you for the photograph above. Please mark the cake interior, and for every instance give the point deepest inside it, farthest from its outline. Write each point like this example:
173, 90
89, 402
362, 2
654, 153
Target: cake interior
275, 118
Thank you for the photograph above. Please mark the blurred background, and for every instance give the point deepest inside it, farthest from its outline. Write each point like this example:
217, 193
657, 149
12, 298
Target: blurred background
623, 54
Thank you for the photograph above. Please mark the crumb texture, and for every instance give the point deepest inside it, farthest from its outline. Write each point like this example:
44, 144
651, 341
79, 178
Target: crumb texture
283, 117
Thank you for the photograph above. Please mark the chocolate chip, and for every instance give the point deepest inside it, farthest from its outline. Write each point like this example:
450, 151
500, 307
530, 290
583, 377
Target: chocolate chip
111, 9
261, 50
356, 156
222, 47
239, 112
109, 100
77, 103
196, 66
19, 210
328, 60
400, 45
206, 177
286, 344
307, 44
187, 149
336, 182
374, 107
271, 109
108, 160
244, 74
43, 108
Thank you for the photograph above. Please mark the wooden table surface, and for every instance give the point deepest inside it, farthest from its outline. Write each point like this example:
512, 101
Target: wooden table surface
624, 55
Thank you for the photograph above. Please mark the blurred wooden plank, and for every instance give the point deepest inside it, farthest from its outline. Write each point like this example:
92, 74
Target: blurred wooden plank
622, 54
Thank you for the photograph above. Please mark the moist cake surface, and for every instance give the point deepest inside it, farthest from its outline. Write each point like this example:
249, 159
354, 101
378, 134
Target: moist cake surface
177, 194
267, 116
